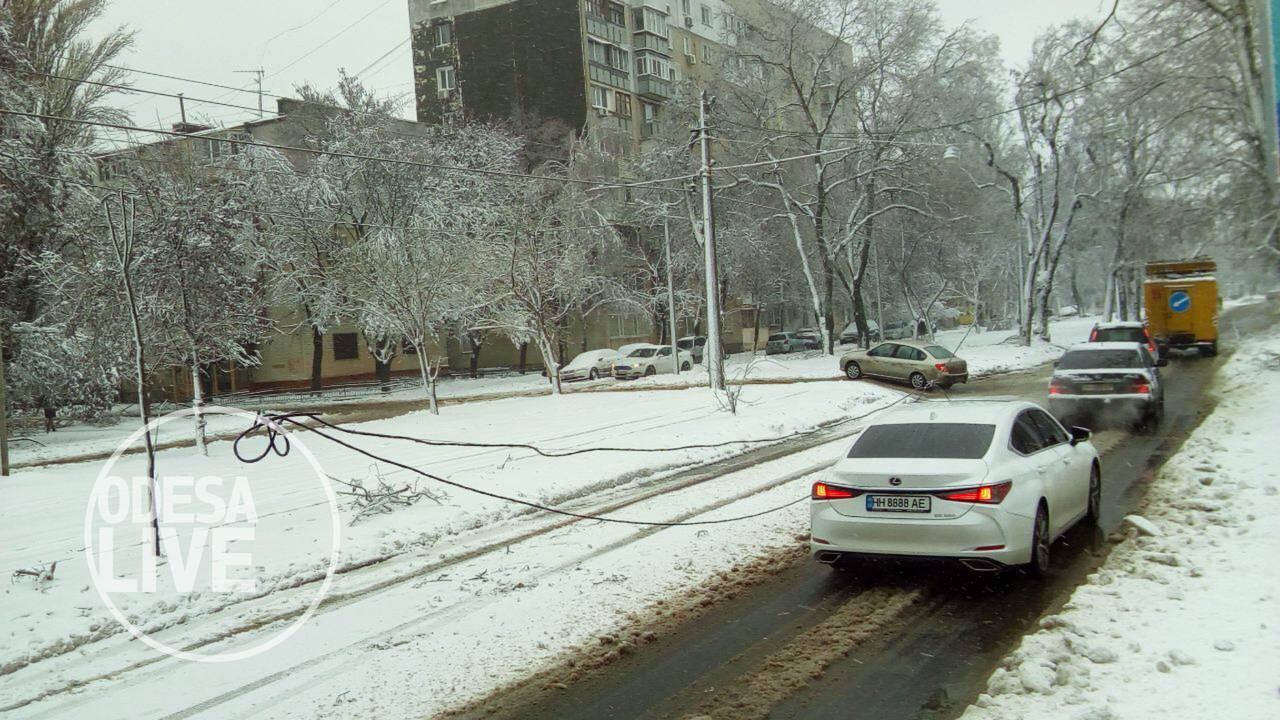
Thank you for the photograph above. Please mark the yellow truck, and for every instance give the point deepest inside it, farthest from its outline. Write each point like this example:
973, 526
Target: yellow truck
1181, 300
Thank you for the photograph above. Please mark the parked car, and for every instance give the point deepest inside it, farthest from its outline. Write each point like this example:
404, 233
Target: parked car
898, 330
1129, 331
590, 365
626, 350
695, 346
650, 360
1108, 380
849, 336
922, 364
812, 339
989, 483
784, 342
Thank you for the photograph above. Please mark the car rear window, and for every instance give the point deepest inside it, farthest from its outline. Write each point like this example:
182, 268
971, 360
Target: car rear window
952, 441
1100, 359
1120, 335
643, 353
777, 338
940, 352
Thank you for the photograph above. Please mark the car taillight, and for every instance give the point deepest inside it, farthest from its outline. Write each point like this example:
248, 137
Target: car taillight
942, 367
982, 495
1057, 387
1093, 335
1142, 387
823, 491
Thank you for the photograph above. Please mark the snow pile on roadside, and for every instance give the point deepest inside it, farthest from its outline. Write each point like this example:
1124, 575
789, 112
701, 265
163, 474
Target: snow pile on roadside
1183, 623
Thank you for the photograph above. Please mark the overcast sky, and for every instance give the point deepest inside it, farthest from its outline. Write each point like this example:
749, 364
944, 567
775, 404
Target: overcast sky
298, 41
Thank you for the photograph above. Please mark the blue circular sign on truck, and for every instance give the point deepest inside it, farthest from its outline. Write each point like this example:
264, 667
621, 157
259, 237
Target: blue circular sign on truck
1180, 301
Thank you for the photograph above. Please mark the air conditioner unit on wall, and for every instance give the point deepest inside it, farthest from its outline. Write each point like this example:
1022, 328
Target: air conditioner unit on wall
688, 21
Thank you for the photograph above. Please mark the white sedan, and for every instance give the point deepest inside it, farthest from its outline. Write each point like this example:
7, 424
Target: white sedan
590, 365
991, 484
649, 360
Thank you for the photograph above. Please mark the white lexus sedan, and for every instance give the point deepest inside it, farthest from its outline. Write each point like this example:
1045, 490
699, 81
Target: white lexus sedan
989, 483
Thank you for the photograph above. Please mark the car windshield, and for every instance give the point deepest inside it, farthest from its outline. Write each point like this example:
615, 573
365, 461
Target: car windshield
777, 338
940, 352
643, 352
583, 359
1120, 334
952, 441
1099, 359
684, 344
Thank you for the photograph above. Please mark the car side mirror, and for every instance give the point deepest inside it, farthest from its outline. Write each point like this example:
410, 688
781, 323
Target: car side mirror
1079, 435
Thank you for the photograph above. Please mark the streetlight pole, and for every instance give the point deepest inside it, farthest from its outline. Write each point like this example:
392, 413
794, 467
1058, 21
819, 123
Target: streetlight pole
671, 293
714, 352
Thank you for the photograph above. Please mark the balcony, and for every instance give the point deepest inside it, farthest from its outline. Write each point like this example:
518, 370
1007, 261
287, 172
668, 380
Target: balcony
606, 75
653, 43
604, 29
652, 86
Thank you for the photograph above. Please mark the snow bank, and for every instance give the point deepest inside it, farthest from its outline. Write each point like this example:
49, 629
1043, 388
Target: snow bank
1183, 619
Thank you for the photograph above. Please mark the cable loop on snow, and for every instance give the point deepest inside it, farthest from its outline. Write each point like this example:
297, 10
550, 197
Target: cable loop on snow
278, 442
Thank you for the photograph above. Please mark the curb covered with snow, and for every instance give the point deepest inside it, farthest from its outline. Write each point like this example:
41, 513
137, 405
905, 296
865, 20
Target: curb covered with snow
1183, 619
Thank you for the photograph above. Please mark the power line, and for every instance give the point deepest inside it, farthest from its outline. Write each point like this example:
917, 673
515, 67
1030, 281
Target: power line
340, 33
278, 443
339, 154
187, 79
382, 57
1016, 108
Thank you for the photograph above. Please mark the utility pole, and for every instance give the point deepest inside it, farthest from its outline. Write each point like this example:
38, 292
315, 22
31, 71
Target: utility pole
714, 351
875, 249
257, 73
4, 418
182, 109
671, 295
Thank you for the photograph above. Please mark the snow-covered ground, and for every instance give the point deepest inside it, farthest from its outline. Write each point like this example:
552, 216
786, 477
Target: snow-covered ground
987, 353
1183, 619
58, 631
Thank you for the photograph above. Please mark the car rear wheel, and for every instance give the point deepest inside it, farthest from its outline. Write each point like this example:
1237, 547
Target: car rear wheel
853, 371
1040, 540
685, 366
919, 381
1095, 497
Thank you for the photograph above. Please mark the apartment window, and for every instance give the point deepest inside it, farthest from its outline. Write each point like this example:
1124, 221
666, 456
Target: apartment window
608, 10
346, 346
623, 105
650, 20
602, 98
444, 34
652, 65
706, 52
650, 112
706, 16
446, 79
605, 54
684, 5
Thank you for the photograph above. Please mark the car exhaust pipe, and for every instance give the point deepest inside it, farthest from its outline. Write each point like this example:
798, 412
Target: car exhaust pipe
980, 564
827, 557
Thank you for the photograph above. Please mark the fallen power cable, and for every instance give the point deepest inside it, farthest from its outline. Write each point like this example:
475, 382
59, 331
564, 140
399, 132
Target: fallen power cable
278, 443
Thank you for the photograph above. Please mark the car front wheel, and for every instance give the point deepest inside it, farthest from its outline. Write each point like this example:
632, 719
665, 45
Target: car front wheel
650, 371
685, 366
853, 371
595, 374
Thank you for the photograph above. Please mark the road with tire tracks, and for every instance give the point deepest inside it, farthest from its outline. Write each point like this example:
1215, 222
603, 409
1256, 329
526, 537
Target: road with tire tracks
817, 642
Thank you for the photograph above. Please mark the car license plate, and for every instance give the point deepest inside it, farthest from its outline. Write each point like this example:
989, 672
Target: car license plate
1097, 387
899, 503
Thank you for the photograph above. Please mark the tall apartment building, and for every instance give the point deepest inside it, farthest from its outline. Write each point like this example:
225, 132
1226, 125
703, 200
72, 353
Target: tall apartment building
606, 64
